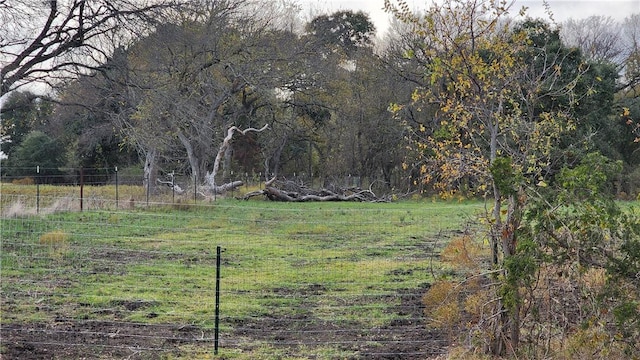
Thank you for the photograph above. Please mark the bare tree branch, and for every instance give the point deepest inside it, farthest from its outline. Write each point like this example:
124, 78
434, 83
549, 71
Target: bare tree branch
61, 43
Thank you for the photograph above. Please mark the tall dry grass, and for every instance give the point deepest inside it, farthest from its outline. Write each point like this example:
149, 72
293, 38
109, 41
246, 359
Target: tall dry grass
25, 200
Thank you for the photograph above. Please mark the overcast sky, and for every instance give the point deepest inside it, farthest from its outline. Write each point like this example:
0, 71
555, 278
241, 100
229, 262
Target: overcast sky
562, 9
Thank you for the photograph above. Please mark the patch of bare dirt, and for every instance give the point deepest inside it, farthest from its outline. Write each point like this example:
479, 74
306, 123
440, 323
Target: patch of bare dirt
405, 338
95, 339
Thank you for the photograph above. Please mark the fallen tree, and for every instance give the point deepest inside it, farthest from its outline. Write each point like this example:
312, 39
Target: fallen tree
291, 191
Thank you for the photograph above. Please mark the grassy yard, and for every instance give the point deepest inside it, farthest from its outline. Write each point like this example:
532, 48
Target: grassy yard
311, 280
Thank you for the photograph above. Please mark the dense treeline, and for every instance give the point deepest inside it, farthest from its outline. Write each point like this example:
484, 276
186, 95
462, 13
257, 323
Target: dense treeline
165, 99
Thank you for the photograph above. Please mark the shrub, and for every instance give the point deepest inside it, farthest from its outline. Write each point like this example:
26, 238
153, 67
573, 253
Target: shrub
54, 238
37, 150
23, 181
438, 294
462, 252
476, 302
441, 306
446, 316
57, 242
591, 343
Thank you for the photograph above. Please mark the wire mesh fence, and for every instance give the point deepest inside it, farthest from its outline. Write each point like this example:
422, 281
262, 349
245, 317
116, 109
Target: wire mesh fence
313, 280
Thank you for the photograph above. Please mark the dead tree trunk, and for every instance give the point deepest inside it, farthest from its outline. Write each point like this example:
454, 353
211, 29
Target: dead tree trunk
210, 178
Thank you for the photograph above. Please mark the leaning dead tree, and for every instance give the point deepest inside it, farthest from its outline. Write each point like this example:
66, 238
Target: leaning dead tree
210, 178
291, 191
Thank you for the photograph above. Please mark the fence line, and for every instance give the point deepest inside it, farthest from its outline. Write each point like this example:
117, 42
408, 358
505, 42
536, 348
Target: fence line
298, 280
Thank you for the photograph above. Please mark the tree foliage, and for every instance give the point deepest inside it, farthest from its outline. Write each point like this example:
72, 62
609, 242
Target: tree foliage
24, 112
506, 106
587, 247
40, 152
346, 31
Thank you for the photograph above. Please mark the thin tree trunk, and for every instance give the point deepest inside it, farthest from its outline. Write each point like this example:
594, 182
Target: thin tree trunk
507, 331
272, 168
509, 242
193, 159
149, 169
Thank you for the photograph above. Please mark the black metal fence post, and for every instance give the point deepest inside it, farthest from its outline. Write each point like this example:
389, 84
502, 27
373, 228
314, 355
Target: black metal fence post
81, 189
116, 187
38, 189
148, 188
217, 310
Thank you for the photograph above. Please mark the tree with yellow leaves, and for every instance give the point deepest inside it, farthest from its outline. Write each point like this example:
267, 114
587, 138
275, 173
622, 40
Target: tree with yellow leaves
486, 129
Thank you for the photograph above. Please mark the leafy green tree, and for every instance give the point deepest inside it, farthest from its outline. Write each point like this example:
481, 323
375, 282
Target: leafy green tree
628, 103
87, 119
23, 113
590, 100
346, 31
585, 245
357, 139
37, 150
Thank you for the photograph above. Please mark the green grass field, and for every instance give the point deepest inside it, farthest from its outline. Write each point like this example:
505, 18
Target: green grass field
310, 280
